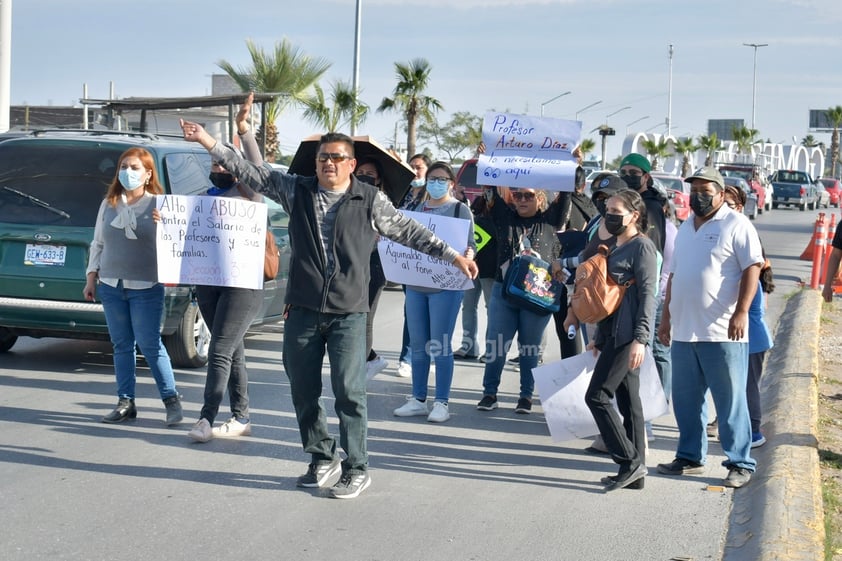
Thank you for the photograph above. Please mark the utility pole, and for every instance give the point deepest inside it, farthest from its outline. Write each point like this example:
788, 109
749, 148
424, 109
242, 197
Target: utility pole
755, 46
669, 98
356, 81
5, 62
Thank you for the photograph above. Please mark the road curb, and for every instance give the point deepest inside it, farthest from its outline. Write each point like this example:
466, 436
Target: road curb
779, 515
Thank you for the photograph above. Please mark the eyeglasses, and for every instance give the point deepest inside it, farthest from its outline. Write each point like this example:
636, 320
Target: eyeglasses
439, 180
523, 196
334, 157
625, 172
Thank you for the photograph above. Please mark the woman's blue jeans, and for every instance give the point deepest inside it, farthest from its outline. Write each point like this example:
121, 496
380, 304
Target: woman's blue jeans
134, 318
504, 319
228, 312
431, 318
721, 367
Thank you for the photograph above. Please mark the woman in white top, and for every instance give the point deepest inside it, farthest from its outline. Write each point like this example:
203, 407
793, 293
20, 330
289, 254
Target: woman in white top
123, 272
431, 313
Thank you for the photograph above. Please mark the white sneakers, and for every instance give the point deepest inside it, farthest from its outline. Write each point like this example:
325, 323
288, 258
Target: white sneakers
374, 367
201, 431
439, 414
232, 428
404, 369
413, 408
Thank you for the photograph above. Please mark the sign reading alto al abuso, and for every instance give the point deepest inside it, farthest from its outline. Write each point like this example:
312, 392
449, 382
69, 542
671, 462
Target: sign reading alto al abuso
212, 241
522, 151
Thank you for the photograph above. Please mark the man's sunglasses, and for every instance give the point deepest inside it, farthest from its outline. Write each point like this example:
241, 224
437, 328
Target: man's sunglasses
523, 195
334, 157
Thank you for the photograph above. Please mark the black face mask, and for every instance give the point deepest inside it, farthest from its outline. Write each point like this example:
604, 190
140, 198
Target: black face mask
701, 204
221, 180
600, 206
614, 224
633, 181
367, 179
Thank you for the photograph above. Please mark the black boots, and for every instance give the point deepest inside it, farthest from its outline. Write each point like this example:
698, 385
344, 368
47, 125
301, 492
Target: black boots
174, 412
125, 410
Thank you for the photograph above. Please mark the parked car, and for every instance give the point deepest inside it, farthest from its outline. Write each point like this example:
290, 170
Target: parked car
794, 187
751, 207
751, 173
822, 196
679, 193
467, 177
50, 190
833, 188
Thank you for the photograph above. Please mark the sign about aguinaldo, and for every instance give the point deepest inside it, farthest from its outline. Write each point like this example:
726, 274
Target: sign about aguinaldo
528, 152
403, 265
214, 241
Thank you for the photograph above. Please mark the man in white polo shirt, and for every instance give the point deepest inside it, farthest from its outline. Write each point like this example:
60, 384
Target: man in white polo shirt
716, 264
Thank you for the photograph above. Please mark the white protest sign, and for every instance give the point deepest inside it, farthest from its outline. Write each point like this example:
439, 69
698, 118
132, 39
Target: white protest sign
528, 152
562, 386
215, 241
407, 266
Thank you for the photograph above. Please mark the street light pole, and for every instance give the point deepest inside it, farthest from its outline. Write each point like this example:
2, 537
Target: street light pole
669, 98
551, 100
615, 112
633, 122
356, 80
755, 46
583, 109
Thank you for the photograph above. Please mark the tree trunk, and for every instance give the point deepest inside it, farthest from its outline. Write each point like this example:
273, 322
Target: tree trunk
410, 136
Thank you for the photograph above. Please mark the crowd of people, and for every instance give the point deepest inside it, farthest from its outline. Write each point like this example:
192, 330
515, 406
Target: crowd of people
694, 298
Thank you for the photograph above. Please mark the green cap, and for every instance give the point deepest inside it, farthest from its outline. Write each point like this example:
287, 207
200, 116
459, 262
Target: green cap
637, 160
707, 174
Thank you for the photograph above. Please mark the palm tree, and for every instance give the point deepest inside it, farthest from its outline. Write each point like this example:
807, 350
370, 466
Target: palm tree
745, 139
686, 147
587, 146
408, 97
709, 144
345, 109
286, 71
834, 117
656, 149
809, 141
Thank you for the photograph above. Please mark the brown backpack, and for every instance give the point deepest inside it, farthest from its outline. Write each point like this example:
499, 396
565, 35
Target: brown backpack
596, 295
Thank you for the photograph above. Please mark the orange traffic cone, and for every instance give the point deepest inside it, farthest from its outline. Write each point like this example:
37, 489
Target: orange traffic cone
807, 255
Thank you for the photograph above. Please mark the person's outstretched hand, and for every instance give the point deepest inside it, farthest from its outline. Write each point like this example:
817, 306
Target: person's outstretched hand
242, 118
194, 132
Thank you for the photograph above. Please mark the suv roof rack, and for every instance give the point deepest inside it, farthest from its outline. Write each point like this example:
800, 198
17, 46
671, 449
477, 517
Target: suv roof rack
97, 132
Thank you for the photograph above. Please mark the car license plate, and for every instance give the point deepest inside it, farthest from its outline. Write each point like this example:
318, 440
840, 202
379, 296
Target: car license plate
41, 254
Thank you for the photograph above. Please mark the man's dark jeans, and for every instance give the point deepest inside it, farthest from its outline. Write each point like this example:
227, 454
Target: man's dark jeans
307, 334
228, 312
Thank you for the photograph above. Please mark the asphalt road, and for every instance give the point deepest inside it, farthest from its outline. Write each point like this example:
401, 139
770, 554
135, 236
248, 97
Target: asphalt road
481, 486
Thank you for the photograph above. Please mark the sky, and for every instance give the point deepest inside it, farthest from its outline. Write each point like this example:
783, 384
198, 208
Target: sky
486, 55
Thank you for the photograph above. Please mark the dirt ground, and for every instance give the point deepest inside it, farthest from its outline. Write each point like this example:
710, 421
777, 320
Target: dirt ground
830, 424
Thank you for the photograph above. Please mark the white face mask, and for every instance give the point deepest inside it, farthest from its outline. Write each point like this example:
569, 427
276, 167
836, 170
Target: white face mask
132, 179
418, 183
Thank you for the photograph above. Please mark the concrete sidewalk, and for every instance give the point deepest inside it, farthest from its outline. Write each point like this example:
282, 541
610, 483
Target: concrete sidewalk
779, 515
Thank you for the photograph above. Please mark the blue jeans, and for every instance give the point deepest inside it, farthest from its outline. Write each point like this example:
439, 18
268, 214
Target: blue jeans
721, 367
431, 317
134, 319
307, 334
470, 304
504, 320
228, 312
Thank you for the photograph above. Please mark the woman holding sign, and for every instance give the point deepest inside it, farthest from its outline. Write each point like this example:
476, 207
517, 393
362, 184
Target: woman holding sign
123, 270
431, 313
228, 311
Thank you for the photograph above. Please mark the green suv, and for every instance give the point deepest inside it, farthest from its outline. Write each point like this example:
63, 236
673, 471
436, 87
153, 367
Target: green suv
51, 186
